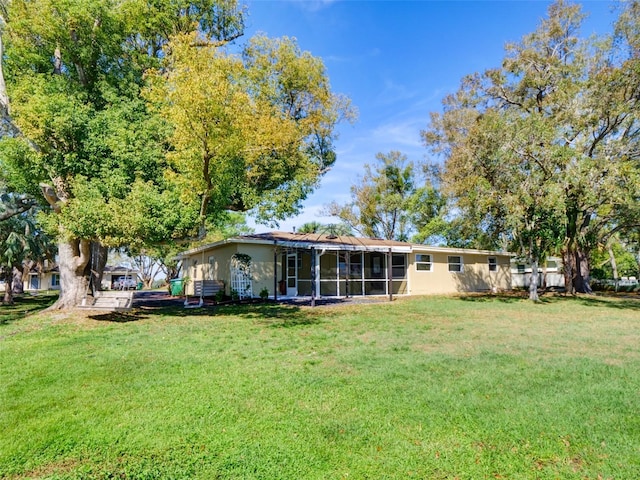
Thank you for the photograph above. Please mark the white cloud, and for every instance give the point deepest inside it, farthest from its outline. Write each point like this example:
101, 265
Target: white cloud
313, 5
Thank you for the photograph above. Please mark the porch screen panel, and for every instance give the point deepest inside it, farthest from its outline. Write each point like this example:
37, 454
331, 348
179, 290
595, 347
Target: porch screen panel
375, 273
304, 273
356, 271
328, 266
399, 273
328, 288
329, 274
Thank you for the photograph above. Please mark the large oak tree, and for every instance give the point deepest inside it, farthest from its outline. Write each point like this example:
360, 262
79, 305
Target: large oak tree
79, 133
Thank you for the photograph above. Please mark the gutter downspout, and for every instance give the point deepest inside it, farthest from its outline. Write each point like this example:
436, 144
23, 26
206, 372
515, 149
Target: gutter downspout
316, 275
313, 276
275, 270
389, 275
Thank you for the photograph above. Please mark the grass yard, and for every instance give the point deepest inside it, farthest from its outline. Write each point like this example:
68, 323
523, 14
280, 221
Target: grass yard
430, 388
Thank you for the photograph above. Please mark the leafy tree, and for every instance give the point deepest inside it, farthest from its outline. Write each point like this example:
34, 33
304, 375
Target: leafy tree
613, 260
80, 135
543, 151
328, 229
388, 203
251, 132
161, 257
22, 245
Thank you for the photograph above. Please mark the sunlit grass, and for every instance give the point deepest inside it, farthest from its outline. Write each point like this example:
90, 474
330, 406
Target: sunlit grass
483, 387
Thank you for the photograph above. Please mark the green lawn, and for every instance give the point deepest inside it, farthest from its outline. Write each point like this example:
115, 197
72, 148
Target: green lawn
430, 388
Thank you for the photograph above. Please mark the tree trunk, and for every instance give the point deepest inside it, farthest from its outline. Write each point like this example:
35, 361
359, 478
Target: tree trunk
18, 284
73, 258
8, 287
533, 283
95, 267
582, 279
614, 266
577, 270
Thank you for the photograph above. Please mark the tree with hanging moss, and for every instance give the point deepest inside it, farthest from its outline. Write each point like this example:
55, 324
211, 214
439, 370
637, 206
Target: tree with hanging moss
543, 151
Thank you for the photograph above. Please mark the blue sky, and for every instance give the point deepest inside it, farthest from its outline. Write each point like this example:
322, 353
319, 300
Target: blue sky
397, 60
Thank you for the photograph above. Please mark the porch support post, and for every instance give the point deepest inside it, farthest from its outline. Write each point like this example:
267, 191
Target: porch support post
275, 271
389, 275
347, 261
313, 276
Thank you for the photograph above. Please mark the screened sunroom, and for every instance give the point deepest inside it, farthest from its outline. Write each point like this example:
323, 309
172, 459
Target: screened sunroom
342, 273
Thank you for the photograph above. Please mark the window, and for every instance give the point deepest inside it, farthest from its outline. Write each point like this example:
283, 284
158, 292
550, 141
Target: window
520, 267
455, 263
209, 268
55, 280
423, 262
493, 264
398, 268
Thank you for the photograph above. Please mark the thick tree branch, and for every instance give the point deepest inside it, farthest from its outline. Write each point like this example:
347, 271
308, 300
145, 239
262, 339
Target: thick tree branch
20, 205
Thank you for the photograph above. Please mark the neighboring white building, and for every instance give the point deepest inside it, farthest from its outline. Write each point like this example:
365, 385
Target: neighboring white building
552, 275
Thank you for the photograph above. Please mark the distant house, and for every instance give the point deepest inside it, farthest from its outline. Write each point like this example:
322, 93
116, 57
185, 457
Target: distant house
551, 274
119, 278
41, 279
319, 265
113, 278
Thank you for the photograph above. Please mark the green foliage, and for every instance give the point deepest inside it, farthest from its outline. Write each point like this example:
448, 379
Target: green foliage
389, 203
219, 296
541, 152
625, 259
328, 229
264, 293
480, 387
266, 139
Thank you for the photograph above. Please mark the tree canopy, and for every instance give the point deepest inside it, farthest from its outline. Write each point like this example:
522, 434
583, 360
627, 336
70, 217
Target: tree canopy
119, 168
543, 151
390, 201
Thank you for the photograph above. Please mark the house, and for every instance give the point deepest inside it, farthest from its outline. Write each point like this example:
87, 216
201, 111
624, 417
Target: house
118, 278
551, 273
41, 280
49, 278
319, 265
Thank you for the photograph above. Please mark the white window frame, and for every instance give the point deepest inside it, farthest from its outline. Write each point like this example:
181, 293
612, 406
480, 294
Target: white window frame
55, 279
493, 264
428, 263
459, 263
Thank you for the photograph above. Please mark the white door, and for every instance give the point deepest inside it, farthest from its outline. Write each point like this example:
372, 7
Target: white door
292, 275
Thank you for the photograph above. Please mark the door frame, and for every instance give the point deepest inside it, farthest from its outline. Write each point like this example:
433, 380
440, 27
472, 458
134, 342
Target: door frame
292, 291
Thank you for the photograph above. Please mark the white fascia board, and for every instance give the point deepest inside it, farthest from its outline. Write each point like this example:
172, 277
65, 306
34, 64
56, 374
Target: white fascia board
461, 251
299, 245
343, 248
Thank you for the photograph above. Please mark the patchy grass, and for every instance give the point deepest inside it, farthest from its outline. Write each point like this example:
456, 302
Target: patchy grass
439, 388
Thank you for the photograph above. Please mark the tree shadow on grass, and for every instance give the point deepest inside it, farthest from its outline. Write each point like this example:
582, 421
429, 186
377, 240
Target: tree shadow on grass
512, 297
273, 315
628, 302
23, 306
